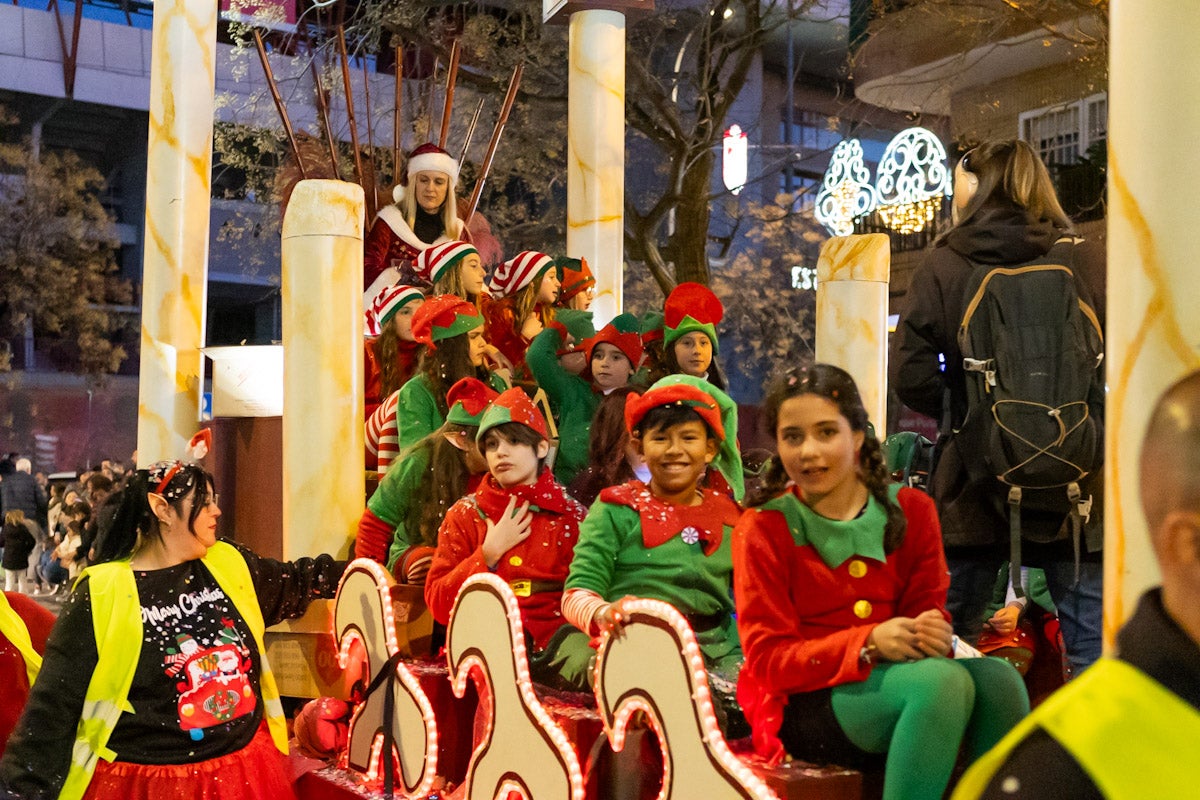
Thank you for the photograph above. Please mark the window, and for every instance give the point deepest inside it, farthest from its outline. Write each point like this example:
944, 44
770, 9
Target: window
1063, 133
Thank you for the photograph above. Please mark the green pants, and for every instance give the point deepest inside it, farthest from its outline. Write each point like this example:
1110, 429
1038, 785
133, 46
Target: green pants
921, 713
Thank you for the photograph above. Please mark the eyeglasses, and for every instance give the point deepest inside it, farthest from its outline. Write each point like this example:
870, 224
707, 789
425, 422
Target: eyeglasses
213, 500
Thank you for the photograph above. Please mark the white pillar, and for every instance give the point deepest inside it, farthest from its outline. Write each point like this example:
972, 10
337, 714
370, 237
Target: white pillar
1153, 330
852, 308
323, 476
175, 258
596, 152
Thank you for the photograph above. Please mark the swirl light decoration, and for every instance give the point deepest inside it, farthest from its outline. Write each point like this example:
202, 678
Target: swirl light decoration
846, 193
912, 180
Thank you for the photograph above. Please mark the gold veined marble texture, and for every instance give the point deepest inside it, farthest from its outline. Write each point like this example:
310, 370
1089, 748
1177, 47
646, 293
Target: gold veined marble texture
596, 152
323, 435
175, 258
1152, 330
852, 307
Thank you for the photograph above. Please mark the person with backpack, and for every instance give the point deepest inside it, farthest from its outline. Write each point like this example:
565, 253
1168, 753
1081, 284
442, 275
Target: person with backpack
1001, 340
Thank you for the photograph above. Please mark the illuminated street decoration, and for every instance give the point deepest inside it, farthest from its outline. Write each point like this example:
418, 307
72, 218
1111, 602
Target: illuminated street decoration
733, 161
912, 180
846, 193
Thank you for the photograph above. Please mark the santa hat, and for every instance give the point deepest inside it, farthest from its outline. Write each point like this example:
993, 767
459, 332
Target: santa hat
515, 274
715, 407
433, 261
651, 327
443, 316
691, 307
513, 405
468, 399
428, 157
575, 276
391, 299
622, 333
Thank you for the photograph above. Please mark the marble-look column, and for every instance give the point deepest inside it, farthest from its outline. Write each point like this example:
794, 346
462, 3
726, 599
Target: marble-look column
596, 152
1153, 331
322, 367
175, 258
852, 308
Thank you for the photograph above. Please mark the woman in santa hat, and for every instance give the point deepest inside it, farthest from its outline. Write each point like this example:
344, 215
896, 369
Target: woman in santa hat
425, 213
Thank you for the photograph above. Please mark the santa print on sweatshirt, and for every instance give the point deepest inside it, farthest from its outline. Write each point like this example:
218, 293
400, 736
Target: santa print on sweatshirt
193, 639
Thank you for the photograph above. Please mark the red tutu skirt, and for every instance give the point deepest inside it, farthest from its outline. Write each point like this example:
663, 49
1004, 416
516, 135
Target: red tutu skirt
256, 772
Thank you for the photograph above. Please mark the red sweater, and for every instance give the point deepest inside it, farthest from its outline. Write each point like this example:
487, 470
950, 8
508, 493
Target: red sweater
543, 558
803, 624
407, 354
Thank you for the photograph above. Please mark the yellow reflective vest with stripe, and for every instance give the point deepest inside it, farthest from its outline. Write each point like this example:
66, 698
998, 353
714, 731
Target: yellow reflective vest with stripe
13, 628
1133, 737
117, 622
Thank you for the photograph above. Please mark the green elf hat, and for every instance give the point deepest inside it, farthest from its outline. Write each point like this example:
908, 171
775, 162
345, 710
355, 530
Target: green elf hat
623, 333
513, 405
468, 399
575, 276
443, 316
691, 307
651, 327
715, 407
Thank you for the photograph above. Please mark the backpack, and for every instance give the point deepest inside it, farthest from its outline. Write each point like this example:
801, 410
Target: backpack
1031, 349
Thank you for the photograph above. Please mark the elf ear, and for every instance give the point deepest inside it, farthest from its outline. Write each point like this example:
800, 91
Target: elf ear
159, 506
458, 439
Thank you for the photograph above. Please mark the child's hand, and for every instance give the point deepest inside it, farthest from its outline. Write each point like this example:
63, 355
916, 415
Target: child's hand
510, 531
531, 327
496, 359
934, 633
1004, 621
612, 617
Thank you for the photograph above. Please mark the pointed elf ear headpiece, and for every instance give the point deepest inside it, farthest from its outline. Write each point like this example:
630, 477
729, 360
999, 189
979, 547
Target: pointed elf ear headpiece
513, 405
468, 399
691, 307
443, 316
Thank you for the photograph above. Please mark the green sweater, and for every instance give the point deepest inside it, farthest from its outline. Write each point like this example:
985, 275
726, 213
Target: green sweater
612, 560
572, 400
417, 412
400, 488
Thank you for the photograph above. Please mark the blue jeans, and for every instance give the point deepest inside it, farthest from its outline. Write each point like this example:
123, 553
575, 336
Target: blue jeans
1080, 607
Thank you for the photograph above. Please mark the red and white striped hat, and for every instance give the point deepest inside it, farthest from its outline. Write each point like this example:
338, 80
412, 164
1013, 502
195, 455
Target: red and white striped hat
514, 275
391, 299
433, 261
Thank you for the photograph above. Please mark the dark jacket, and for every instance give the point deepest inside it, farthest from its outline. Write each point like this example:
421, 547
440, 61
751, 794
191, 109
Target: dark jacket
928, 329
20, 492
17, 541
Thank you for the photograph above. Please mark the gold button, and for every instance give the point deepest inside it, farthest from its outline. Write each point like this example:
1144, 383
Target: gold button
857, 569
516, 561
862, 609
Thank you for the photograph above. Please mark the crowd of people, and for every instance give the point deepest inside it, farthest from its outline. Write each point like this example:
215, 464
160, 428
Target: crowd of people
584, 467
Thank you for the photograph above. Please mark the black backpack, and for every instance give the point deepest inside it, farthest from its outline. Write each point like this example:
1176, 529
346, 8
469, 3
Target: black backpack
1031, 350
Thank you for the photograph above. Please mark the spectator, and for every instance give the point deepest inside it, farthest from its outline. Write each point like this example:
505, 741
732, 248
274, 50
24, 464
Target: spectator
18, 540
1127, 728
20, 492
1006, 213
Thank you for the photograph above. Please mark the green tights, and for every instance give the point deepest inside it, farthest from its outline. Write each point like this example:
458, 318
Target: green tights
920, 713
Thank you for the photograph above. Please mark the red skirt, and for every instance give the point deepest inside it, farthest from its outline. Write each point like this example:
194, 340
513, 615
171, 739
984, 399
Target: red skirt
256, 772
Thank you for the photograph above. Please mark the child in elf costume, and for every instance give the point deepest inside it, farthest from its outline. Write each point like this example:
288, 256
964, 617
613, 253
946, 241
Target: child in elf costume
390, 357
401, 520
612, 355
453, 267
578, 284
522, 526
690, 317
669, 539
524, 290
452, 331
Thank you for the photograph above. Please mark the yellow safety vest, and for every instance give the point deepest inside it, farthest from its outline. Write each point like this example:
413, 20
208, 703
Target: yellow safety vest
117, 622
13, 628
1133, 737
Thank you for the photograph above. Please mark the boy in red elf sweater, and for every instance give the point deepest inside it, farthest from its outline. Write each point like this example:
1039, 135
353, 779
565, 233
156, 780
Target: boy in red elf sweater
522, 526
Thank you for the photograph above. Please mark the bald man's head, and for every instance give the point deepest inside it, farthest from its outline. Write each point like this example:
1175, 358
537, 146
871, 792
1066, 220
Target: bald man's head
1170, 462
